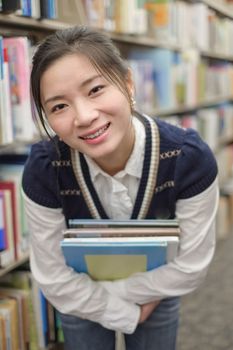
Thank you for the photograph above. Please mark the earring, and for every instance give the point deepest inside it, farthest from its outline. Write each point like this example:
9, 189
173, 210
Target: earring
132, 102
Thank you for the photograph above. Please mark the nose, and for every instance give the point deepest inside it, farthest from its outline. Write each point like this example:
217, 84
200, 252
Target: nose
84, 113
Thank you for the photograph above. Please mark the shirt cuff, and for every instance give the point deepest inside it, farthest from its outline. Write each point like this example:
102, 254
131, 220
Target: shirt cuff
121, 315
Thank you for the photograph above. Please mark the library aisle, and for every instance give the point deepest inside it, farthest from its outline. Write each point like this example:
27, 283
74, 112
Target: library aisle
207, 314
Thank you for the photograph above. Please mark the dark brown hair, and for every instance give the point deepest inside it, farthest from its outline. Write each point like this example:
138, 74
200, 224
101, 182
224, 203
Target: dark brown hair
96, 46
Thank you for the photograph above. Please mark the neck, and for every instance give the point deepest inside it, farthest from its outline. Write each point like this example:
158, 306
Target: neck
116, 162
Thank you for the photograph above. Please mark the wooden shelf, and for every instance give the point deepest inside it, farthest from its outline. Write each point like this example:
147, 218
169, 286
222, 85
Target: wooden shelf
41, 25
153, 43
220, 8
191, 108
59, 346
17, 146
217, 56
46, 25
14, 265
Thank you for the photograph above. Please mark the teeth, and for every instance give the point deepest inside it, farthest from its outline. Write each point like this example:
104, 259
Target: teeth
97, 133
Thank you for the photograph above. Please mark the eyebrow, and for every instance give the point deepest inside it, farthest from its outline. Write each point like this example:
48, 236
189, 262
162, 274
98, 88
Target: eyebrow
82, 85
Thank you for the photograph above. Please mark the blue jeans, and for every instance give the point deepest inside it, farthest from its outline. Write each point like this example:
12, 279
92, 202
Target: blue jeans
158, 332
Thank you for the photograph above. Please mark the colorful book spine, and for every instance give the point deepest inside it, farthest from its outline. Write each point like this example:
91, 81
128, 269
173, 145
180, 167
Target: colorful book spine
3, 244
19, 67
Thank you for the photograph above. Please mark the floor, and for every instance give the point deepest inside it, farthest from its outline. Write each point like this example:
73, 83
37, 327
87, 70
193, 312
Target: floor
207, 314
206, 321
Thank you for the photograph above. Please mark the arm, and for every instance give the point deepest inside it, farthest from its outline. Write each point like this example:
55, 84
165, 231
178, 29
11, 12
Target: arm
69, 292
197, 244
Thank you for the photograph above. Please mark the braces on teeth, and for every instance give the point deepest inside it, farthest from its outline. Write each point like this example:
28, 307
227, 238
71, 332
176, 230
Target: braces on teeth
97, 133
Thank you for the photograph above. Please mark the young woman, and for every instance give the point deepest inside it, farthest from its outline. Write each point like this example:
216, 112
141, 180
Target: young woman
108, 161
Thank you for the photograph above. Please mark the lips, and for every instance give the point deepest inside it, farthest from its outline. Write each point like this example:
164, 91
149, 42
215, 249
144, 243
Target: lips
95, 134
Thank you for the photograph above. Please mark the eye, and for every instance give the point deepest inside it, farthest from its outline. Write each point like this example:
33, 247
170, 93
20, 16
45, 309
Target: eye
58, 107
96, 89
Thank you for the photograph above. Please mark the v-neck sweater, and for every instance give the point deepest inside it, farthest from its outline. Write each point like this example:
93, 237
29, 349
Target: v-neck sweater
177, 165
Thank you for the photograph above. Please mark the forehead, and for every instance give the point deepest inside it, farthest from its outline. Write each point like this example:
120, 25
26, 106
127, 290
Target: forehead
75, 68
75, 61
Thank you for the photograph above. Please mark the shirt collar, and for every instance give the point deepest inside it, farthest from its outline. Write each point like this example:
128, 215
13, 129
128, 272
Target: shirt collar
135, 162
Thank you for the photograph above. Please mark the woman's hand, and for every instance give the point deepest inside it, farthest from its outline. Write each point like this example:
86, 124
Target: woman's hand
147, 309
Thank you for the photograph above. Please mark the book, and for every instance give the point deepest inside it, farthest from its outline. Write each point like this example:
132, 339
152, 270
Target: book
121, 228
6, 101
10, 186
48, 9
160, 19
120, 232
10, 178
5, 316
163, 63
71, 11
19, 70
2, 332
22, 280
10, 305
78, 223
20, 296
3, 244
118, 251
7, 255
9, 6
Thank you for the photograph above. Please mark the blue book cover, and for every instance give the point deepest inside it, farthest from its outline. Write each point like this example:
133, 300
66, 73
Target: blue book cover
111, 259
162, 61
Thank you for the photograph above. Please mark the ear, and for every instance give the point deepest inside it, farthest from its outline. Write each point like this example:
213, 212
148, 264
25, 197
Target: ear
130, 82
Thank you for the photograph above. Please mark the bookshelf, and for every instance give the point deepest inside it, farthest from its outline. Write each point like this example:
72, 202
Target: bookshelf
219, 105
14, 256
14, 265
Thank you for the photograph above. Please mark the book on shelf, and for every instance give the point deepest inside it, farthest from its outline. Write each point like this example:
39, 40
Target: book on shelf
8, 308
9, 6
3, 237
2, 332
163, 77
7, 253
36, 321
120, 249
13, 228
10, 180
6, 129
71, 11
48, 9
128, 17
6, 108
21, 298
160, 14
19, 71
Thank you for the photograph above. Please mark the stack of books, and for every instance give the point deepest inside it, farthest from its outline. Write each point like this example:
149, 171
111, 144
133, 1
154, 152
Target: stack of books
112, 249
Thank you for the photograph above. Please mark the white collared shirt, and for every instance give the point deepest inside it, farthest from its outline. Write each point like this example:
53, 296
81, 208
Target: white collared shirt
115, 304
121, 188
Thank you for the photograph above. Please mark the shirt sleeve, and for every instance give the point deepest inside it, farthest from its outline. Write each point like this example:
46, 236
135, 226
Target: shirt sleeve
196, 216
70, 292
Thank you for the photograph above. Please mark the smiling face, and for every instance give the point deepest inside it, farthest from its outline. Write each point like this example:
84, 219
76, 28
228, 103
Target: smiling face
87, 111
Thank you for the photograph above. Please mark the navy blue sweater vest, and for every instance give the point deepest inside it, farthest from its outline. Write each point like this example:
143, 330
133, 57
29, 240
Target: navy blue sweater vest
177, 165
